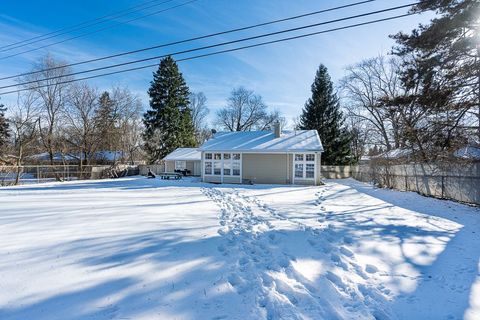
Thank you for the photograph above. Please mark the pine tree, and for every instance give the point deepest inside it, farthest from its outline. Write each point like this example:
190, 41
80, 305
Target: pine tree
4, 132
168, 123
322, 113
443, 59
105, 122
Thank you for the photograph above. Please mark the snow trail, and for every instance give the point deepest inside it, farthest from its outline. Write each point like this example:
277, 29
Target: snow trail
262, 270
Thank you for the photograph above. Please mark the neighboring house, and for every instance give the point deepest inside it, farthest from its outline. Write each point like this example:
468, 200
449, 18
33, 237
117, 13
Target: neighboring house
184, 159
74, 158
265, 157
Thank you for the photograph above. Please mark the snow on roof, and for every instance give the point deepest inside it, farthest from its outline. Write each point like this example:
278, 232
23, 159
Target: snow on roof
264, 141
99, 155
395, 154
468, 152
188, 154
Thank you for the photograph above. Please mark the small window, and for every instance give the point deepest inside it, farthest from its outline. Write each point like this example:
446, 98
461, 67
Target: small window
236, 168
298, 170
226, 156
180, 165
310, 157
299, 157
208, 156
218, 156
227, 168
208, 168
217, 168
236, 156
310, 171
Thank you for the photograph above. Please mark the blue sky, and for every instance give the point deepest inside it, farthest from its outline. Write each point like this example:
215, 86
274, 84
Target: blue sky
281, 73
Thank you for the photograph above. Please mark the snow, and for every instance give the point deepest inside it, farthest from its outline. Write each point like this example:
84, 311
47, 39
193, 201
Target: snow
185, 154
137, 248
264, 141
468, 152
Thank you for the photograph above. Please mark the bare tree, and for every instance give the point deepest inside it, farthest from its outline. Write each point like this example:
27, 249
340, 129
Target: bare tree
24, 126
199, 112
127, 123
245, 111
79, 113
48, 83
366, 87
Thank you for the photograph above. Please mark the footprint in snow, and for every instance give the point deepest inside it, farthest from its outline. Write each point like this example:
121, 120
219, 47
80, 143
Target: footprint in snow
371, 268
346, 252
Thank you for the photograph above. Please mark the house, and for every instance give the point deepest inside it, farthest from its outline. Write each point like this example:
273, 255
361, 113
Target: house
264, 157
184, 159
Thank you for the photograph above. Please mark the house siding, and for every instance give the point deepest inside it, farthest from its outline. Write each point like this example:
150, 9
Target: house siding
266, 168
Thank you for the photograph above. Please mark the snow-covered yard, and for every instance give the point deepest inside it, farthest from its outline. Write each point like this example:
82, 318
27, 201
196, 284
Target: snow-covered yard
152, 249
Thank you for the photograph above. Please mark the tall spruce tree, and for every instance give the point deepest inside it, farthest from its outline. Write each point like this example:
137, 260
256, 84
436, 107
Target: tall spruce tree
105, 117
322, 113
4, 132
168, 123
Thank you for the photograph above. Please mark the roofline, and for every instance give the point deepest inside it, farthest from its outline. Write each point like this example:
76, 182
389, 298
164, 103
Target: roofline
261, 151
182, 159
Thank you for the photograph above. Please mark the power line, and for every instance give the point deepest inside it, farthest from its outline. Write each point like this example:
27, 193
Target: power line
218, 44
195, 38
99, 30
80, 26
220, 52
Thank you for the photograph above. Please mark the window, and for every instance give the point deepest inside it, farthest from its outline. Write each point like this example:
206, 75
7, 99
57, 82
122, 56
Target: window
298, 170
180, 165
208, 168
310, 171
224, 164
304, 166
236, 168
217, 168
227, 168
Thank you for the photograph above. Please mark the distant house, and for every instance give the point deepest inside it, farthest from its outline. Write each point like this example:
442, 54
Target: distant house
184, 159
264, 157
104, 156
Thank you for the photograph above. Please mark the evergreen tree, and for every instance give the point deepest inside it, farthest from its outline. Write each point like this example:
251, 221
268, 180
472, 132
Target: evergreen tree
4, 132
105, 118
322, 113
168, 123
443, 59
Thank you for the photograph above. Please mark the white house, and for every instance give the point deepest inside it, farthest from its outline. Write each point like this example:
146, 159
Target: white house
265, 157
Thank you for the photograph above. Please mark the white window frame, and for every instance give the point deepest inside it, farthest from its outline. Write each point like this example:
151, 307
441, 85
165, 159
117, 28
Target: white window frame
304, 163
222, 161
182, 167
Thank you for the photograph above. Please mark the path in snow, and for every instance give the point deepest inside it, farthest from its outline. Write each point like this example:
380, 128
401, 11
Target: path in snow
262, 270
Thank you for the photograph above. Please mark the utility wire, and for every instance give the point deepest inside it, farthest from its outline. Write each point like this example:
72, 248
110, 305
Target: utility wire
219, 52
82, 24
216, 45
194, 39
99, 30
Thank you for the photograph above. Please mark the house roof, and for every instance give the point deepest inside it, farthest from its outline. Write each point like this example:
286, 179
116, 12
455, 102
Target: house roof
468, 152
184, 154
264, 141
105, 155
